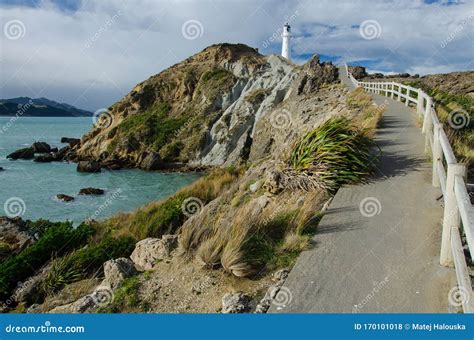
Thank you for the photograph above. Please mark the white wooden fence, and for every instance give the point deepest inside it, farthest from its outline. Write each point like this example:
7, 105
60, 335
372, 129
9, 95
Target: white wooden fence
448, 174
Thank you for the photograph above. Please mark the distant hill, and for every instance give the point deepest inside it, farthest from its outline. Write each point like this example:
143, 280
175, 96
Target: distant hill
40, 107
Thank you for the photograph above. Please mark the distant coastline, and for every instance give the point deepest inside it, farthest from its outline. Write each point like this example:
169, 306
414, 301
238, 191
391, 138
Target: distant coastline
39, 107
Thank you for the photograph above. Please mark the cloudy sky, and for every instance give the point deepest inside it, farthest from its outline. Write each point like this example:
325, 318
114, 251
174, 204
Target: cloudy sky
90, 53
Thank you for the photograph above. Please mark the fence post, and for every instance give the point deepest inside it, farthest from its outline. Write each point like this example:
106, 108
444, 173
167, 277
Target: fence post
451, 218
427, 123
437, 153
393, 90
419, 103
407, 101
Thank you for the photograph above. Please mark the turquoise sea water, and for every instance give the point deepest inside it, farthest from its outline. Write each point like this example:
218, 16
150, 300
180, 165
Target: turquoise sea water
37, 184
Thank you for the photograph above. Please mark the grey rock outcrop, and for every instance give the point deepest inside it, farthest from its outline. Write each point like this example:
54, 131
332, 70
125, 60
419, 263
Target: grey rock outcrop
279, 278
115, 271
150, 250
233, 303
88, 166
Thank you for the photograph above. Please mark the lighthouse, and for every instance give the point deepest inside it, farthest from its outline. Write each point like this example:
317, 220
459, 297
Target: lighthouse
285, 47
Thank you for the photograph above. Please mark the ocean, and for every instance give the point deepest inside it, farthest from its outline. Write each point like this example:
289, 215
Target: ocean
29, 189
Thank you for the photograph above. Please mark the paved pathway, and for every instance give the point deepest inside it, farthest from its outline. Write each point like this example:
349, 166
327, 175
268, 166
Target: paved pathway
387, 262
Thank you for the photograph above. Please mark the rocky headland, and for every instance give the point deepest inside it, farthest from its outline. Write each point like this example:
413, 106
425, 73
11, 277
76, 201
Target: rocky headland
277, 140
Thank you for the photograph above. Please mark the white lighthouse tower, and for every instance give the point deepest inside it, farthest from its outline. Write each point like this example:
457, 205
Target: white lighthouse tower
285, 47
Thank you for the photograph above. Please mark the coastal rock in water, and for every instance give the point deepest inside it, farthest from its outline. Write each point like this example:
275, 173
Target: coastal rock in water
235, 303
71, 141
91, 191
65, 198
41, 147
150, 250
117, 270
25, 153
1, 169
152, 161
88, 166
44, 158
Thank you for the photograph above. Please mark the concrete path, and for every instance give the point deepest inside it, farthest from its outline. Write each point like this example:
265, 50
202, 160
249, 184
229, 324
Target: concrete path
377, 247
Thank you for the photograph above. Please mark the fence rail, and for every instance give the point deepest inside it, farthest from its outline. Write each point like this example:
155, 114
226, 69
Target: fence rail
448, 175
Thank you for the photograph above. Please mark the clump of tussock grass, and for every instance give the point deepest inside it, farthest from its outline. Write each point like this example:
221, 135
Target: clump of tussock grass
333, 154
60, 274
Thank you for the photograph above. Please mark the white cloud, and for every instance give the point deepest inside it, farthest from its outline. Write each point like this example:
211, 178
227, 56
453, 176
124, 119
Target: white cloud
130, 41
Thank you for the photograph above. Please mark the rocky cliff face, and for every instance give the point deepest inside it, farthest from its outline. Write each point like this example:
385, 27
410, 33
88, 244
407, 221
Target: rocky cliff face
204, 111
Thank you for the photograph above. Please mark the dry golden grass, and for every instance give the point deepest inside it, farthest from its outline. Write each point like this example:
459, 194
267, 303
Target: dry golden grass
369, 114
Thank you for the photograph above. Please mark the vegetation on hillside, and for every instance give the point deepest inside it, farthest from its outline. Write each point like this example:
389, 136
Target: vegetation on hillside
334, 154
451, 107
56, 239
166, 216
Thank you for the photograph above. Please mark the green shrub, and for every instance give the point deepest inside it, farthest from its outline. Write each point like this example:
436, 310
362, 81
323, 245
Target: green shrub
57, 238
86, 262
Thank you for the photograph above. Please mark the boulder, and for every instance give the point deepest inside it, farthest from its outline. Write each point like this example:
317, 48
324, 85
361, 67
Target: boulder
88, 166
41, 147
113, 164
254, 187
29, 289
71, 141
100, 297
91, 191
14, 235
358, 72
46, 158
273, 183
279, 278
235, 303
25, 153
152, 161
65, 198
117, 270
150, 250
